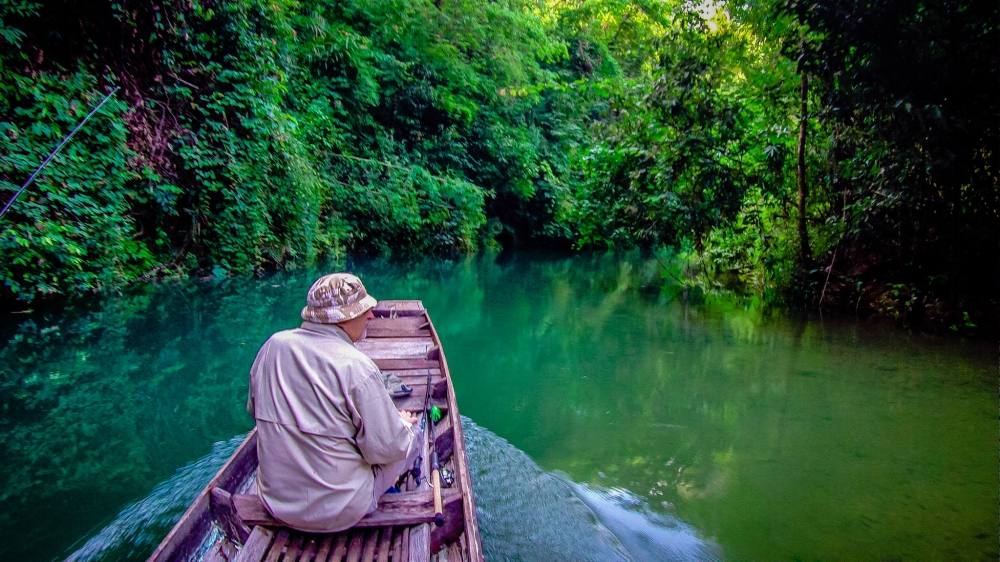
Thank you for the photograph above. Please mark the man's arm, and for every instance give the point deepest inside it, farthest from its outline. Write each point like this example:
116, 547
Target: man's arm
383, 436
257, 364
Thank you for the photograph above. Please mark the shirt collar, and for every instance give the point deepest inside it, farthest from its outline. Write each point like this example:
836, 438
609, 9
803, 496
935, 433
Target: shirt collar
327, 329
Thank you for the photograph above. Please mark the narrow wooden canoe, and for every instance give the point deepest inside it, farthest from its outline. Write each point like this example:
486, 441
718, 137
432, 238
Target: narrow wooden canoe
220, 525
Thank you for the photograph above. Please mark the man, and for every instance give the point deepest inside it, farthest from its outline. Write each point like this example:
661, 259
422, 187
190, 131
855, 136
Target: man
329, 439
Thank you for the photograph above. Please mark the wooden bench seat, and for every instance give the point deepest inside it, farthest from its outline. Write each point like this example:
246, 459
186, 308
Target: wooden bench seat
404, 508
382, 535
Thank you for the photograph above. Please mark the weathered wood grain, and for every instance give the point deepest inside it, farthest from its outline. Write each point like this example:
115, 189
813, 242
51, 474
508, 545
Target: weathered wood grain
444, 439
256, 546
308, 549
340, 550
404, 508
473, 541
384, 544
194, 525
354, 547
277, 546
420, 543
371, 541
396, 348
221, 503
396, 364
399, 308
323, 551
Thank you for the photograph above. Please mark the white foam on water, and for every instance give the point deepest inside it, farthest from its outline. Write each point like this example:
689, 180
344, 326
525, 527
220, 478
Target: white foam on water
525, 513
140, 526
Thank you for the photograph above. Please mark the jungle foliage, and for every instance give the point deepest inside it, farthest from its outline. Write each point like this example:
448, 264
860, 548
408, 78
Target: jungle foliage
833, 154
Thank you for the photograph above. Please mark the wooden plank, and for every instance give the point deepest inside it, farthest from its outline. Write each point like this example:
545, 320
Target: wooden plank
396, 364
454, 520
405, 508
371, 541
340, 549
194, 525
420, 543
396, 348
444, 439
221, 503
384, 544
474, 544
439, 387
256, 546
308, 550
294, 547
376, 333
323, 552
214, 554
409, 323
228, 550
410, 508
415, 402
405, 545
399, 308
277, 546
416, 373
354, 548
403, 327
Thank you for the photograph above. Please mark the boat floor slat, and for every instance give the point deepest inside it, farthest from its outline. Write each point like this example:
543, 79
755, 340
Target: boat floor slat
354, 548
279, 545
340, 550
384, 543
325, 545
308, 550
371, 541
256, 546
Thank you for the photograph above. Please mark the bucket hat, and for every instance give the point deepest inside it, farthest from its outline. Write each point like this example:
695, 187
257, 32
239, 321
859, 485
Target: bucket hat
336, 297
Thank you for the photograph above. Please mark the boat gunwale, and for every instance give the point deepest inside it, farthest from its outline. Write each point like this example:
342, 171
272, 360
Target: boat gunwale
179, 542
200, 511
473, 540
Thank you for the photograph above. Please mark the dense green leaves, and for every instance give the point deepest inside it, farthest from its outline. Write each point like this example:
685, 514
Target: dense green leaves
252, 134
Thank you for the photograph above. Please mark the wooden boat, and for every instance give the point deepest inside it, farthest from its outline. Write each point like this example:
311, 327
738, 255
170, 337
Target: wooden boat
226, 522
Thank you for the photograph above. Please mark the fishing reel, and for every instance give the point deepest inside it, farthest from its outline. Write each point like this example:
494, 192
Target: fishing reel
447, 477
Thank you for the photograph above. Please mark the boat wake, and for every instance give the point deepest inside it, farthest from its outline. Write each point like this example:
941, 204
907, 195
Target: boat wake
140, 526
526, 513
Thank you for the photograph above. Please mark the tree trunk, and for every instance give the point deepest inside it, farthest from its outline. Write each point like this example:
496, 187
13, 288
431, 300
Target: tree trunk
804, 251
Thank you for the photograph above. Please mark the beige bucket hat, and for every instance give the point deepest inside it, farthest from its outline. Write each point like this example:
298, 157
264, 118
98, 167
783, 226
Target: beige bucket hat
336, 297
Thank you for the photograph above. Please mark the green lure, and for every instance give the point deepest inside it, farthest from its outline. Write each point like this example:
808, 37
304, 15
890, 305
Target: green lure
436, 414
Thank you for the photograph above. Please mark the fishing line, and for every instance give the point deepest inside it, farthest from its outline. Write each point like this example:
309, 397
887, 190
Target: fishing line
52, 154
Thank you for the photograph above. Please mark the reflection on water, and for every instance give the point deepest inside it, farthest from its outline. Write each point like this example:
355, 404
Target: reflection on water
770, 437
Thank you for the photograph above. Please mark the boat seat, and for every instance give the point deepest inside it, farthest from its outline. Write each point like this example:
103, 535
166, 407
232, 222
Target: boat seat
384, 532
404, 508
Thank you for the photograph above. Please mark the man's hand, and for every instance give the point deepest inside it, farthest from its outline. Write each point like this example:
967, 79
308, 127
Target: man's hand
408, 416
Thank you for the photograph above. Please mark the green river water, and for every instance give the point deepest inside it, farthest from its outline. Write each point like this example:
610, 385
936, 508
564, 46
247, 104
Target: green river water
605, 420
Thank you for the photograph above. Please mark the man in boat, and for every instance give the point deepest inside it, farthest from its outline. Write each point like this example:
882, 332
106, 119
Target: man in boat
329, 439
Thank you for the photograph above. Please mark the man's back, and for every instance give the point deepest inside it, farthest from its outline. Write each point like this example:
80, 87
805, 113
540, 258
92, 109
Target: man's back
323, 419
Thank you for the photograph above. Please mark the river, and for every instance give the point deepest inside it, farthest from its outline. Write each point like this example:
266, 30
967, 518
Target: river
605, 418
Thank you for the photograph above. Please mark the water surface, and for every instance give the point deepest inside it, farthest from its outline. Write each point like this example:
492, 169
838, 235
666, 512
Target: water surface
605, 419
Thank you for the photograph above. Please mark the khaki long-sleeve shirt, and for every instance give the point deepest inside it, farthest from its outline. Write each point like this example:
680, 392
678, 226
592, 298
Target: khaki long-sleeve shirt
324, 419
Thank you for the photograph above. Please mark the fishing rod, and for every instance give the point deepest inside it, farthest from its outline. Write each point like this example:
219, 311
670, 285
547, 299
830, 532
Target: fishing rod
55, 151
435, 463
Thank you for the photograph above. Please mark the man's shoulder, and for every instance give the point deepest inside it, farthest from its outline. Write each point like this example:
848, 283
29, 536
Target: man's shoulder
336, 349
